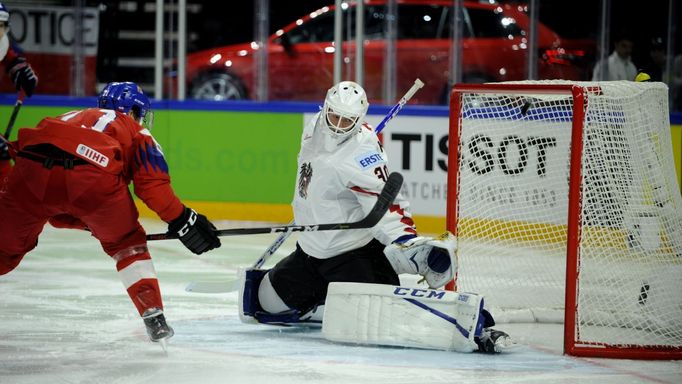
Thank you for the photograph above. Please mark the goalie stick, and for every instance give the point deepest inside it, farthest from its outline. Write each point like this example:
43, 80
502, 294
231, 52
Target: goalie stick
272, 248
384, 200
396, 108
210, 287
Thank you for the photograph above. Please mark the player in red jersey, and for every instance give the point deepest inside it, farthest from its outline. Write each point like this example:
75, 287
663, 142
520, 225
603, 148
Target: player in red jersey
21, 74
12, 57
73, 171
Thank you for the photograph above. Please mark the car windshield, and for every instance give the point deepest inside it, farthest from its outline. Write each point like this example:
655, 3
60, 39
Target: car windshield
414, 22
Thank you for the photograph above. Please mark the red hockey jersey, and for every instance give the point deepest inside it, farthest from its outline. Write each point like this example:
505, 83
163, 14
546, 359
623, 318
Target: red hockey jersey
115, 143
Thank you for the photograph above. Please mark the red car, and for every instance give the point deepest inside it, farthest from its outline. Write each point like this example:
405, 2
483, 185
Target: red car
301, 54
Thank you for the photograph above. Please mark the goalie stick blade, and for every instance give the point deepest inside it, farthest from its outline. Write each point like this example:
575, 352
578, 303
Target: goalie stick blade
384, 200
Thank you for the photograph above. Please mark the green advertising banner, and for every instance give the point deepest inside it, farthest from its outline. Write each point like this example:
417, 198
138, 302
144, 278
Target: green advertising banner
241, 157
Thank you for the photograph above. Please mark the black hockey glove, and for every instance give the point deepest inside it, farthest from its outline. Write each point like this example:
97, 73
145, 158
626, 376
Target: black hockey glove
195, 231
22, 75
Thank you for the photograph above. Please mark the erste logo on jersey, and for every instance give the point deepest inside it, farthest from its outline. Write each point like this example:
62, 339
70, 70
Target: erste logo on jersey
370, 159
92, 155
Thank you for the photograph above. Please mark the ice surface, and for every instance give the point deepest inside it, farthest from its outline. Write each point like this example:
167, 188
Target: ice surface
65, 318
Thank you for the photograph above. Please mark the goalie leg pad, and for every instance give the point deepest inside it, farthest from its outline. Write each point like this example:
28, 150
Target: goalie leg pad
249, 281
400, 316
254, 288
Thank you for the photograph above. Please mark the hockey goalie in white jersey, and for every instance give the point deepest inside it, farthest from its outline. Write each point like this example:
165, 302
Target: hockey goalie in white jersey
342, 167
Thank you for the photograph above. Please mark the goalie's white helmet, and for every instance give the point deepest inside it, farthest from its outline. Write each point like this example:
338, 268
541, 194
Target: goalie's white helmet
345, 108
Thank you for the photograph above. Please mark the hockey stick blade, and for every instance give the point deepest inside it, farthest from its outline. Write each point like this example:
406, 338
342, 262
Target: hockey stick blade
384, 200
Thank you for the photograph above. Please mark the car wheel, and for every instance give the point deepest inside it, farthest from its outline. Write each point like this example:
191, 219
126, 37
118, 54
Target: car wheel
217, 86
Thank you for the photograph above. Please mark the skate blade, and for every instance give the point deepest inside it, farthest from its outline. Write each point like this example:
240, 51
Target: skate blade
164, 345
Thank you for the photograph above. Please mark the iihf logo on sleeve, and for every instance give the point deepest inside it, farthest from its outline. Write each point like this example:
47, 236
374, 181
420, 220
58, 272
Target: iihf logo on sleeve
92, 155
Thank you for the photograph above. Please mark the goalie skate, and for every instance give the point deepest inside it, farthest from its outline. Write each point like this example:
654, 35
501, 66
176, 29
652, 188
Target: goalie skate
492, 341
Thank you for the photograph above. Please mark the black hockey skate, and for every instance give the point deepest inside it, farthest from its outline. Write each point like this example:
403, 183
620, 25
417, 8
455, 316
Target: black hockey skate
492, 341
157, 329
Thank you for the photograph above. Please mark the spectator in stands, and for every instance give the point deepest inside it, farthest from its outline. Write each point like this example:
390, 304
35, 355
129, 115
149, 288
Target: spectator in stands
21, 74
618, 66
12, 57
655, 64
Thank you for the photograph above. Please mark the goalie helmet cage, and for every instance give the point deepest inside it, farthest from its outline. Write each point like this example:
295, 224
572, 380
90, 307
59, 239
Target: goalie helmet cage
565, 201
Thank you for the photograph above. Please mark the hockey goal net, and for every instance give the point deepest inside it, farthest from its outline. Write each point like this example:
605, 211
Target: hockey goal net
565, 201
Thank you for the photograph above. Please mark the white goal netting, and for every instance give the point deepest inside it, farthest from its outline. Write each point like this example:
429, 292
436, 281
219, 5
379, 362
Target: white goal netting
512, 209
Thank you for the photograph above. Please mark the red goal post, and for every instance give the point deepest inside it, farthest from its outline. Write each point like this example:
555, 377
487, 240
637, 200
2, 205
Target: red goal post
565, 202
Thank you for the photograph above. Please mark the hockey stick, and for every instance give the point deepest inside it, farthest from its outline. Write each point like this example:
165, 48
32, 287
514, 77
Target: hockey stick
272, 248
15, 112
396, 108
384, 200
13, 117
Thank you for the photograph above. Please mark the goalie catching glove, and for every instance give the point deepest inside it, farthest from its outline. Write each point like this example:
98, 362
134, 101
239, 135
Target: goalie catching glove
434, 259
195, 231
